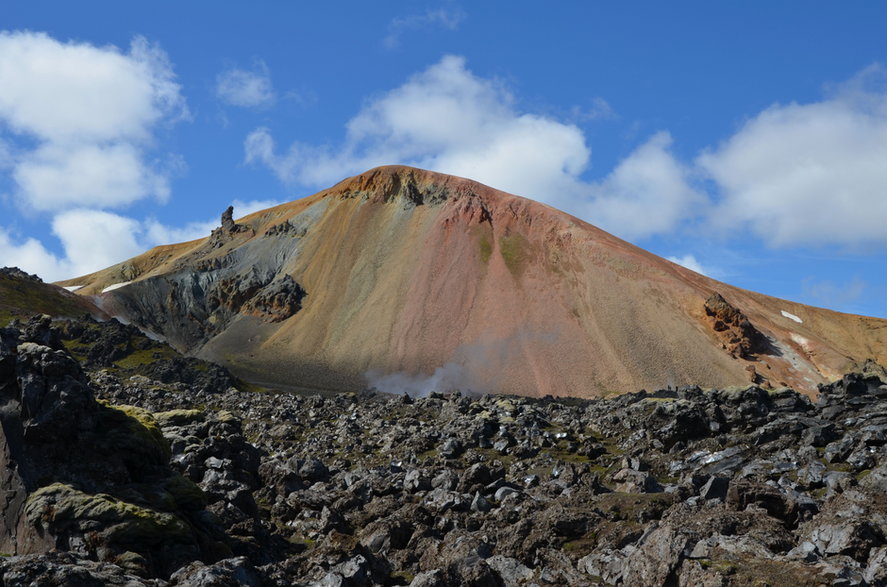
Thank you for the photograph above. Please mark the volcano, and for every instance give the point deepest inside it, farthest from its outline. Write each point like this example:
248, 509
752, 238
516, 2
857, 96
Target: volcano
400, 270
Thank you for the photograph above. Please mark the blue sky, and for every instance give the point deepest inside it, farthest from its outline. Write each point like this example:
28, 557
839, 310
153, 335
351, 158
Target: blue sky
748, 140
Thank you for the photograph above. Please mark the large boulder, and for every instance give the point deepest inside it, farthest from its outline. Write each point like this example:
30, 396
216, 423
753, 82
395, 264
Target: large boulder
84, 476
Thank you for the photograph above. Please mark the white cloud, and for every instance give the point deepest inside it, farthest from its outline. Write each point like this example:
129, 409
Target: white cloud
92, 112
794, 174
30, 256
57, 91
245, 208
446, 18
161, 234
648, 193
446, 119
809, 174
56, 176
95, 239
249, 89
259, 147
91, 240
690, 262
450, 120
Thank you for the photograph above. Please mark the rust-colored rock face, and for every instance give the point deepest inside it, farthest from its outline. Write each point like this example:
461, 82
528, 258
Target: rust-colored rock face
403, 270
740, 338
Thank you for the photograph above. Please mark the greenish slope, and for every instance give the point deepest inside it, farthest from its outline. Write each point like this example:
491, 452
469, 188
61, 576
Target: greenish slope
22, 296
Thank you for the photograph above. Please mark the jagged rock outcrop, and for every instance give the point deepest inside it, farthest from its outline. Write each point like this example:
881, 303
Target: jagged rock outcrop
126, 350
221, 235
228, 224
16, 273
740, 338
190, 308
88, 477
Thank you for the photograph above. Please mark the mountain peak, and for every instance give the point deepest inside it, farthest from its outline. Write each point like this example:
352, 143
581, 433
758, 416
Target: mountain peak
415, 185
403, 270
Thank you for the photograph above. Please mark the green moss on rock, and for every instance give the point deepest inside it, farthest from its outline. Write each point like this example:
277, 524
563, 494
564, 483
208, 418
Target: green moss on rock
132, 562
60, 507
514, 249
186, 493
178, 417
145, 357
133, 432
486, 249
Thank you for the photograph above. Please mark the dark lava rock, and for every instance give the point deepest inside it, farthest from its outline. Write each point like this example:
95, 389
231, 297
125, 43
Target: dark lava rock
679, 487
17, 273
87, 477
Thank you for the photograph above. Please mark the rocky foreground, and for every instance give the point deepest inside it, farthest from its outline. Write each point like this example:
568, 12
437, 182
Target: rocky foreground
150, 469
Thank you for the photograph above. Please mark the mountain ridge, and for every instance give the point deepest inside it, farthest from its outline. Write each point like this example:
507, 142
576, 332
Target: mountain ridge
406, 270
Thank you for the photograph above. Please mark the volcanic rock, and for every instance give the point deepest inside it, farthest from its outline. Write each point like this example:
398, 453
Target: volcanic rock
741, 339
354, 489
88, 477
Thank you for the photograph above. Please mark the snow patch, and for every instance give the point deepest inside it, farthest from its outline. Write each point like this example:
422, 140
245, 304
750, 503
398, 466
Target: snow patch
72, 287
115, 286
791, 316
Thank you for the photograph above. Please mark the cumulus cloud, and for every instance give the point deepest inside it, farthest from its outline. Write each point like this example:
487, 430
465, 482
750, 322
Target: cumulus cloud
809, 174
31, 256
94, 239
446, 18
690, 262
91, 240
648, 193
82, 118
246, 88
447, 119
55, 175
796, 174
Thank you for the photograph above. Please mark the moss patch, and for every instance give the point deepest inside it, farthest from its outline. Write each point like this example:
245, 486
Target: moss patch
186, 493
145, 357
178, 417
401, 578
135, 433
486, 249
62, 507
515, 251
